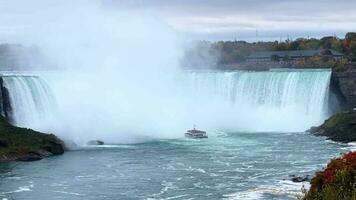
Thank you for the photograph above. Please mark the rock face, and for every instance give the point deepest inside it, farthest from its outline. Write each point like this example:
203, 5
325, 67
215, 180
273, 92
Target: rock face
340, 127
5, 106
343, 84
21, 144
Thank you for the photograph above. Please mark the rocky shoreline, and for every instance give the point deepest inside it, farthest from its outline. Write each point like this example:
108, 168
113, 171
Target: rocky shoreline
340, 127
22, 144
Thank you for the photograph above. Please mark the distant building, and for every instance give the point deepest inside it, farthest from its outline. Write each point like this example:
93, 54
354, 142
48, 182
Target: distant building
290, 56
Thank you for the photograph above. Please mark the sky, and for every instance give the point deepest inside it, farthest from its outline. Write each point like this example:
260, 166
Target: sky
252, 19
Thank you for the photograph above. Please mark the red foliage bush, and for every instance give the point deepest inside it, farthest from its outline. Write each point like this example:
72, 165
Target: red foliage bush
329, 175
347, 161
337, 181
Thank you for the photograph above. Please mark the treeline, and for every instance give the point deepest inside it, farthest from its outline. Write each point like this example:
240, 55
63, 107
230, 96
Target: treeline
204, 53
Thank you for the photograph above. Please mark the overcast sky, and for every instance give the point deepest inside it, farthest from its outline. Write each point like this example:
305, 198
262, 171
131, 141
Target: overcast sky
252, 19
210, 19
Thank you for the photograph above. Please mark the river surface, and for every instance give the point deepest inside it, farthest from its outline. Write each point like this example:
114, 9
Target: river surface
225, 166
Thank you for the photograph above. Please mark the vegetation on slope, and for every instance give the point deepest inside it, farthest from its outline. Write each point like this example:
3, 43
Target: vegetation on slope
25, 144
336, 182
340, 127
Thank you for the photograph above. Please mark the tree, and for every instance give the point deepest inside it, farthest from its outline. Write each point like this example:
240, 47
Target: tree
229, 52
351, 36
326, 42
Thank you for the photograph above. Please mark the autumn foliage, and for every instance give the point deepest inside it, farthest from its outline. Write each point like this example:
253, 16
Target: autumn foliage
337, 181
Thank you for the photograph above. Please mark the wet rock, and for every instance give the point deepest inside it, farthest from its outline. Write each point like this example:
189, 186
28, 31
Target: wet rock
299, 179
95, 142
30, 157
54, 146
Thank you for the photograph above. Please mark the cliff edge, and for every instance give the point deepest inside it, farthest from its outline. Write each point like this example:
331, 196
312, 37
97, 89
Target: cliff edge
22, 144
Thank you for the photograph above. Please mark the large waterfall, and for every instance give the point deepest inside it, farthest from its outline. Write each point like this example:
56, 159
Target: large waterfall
31, 100
278, 100
294, 99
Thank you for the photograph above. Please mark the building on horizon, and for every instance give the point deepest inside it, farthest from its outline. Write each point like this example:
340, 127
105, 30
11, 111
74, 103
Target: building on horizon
291, 55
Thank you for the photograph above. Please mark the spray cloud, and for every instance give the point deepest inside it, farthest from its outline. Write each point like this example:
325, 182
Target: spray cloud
119, 79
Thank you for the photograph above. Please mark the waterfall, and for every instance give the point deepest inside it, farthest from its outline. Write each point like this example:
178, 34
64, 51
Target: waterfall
32, 102
277, 100
295, 97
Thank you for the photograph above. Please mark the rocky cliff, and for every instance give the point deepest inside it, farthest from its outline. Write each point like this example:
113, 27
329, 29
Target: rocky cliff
343, 85
5, 106
340, 127
22, 144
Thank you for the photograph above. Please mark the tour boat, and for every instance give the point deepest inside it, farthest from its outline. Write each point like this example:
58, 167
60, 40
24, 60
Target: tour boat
196, 134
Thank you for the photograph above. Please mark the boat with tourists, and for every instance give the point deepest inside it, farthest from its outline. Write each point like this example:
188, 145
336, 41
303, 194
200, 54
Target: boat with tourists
196, 134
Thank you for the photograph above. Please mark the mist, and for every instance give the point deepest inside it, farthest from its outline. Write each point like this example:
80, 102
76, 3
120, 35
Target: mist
118, 76
117, 69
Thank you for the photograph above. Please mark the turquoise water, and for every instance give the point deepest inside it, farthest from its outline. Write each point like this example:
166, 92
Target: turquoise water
225, 166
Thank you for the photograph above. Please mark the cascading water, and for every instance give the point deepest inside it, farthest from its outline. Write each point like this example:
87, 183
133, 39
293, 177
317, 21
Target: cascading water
279, 100
31, 100
288, 100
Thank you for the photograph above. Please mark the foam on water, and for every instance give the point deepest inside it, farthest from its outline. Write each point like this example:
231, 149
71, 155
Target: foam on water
282, 188
232, 166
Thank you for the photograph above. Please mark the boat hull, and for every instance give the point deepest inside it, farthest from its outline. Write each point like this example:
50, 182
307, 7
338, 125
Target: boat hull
188, 135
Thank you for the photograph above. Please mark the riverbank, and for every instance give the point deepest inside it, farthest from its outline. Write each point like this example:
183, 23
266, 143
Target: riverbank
22, 144
339, 128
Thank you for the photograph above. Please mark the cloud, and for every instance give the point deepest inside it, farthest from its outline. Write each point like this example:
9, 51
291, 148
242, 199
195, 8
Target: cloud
216, 19
239, 17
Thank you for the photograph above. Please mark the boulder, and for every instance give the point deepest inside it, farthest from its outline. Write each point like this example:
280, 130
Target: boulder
95, 142
299, 179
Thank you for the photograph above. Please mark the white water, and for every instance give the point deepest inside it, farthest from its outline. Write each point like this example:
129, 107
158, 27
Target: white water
31, 100
279, 100
116, 71
286, 100
118, 79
